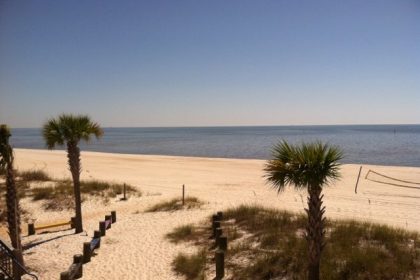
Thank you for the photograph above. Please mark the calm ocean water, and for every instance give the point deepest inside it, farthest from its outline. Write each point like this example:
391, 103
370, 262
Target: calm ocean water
369, 144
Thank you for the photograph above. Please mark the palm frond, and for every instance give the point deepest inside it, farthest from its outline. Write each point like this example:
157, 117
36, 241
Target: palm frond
52, 133
70, 128
313, 164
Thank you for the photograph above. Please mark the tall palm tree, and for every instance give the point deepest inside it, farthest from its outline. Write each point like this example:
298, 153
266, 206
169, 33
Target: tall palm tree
12, 199
309, 166
68, 130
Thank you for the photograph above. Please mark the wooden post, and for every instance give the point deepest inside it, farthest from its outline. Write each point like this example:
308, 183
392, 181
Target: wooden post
65, 275
102, 228
114, 216
73, 222
97, 234
214, 219
31, 229
183, 194
223, 243
220, 264
216, 225
124, 191
108, 217
219, 233
86, 252
78, 261
358, 177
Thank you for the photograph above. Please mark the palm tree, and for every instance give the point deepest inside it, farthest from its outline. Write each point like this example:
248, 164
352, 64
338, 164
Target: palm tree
309, 166
12, 199
70, 129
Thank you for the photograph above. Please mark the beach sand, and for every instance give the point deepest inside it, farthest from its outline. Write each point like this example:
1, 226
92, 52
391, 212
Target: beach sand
136, 248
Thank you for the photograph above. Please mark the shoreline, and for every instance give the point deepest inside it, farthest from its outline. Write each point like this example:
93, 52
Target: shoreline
193, 157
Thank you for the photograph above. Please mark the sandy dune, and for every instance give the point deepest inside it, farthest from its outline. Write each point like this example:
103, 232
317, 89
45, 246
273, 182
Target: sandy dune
135, 248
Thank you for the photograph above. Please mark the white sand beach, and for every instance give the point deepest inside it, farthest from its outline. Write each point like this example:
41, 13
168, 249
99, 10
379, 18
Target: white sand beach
136, 248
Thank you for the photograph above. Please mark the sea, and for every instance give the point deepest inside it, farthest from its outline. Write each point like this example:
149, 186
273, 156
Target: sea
366, 144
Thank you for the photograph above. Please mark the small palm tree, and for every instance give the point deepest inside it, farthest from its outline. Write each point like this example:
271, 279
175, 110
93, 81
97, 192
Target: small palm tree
309, 166
70, 129
12, 199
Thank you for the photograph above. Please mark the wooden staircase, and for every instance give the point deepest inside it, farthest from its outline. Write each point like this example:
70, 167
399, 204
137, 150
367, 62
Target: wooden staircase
10, 268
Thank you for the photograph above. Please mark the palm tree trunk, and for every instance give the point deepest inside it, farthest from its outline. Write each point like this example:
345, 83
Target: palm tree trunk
13, 211
315, 230
73, 154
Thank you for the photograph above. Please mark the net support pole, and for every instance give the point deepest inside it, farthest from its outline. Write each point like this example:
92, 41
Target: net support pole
358, 177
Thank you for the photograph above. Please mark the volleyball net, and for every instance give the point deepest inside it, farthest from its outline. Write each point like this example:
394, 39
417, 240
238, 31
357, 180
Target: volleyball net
388, 180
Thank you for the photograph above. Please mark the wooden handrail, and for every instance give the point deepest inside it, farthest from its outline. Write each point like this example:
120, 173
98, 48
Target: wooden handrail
8, 261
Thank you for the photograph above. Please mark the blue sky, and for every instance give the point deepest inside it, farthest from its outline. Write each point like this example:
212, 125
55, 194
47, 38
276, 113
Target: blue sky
204, 63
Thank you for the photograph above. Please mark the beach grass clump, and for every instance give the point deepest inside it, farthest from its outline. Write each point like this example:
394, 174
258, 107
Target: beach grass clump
176, 204
180, 233
33, 175
60, 195
55, 198
191, 266
43, 193
184, 233
271, 244
92, 187
103, 188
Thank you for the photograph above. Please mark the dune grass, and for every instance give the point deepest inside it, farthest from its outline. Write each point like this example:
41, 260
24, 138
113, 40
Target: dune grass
176, 204
191, 266
93, 187
184, 233
272, 244
33, 175
60, 196
180, 233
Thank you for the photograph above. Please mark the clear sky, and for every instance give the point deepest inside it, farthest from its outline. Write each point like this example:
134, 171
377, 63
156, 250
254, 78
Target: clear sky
201, 63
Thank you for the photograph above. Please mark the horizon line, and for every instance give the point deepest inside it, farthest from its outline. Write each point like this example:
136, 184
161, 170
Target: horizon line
231, 126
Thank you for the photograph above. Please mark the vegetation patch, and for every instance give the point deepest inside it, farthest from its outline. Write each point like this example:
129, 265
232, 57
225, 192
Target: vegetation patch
185, 233
102, 188
60, 196
191, 266
176, 204
180, 233
33, 175
270, 244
